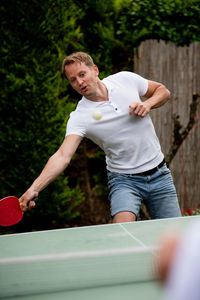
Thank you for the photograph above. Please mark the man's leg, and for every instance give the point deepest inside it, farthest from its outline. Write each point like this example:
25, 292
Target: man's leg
124, 216
125, 199
163, 201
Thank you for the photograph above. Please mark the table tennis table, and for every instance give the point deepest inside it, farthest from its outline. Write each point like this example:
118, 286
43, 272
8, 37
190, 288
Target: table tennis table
113, 261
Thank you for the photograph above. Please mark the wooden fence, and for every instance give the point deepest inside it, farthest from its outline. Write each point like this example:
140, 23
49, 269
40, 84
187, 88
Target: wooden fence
179, 69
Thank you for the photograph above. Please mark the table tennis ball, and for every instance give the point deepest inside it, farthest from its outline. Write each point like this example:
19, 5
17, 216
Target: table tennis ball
97, 115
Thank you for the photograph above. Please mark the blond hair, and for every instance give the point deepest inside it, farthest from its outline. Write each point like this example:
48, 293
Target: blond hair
80, 57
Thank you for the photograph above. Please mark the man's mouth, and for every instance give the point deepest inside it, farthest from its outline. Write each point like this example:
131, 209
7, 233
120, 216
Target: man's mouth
84, 89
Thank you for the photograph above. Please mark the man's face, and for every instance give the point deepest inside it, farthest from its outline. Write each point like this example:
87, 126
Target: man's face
82, 78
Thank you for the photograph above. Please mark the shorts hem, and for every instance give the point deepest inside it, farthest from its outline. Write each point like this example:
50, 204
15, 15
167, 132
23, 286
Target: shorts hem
123, 210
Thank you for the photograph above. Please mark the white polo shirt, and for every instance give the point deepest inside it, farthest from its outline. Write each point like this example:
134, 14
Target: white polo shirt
129, 142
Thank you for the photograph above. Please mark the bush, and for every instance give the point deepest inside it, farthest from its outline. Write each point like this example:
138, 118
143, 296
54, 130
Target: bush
33, 109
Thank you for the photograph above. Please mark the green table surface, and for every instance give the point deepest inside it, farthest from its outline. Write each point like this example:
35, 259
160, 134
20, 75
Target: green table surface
113, 261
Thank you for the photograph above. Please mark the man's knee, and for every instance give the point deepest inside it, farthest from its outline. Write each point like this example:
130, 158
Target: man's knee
124, 216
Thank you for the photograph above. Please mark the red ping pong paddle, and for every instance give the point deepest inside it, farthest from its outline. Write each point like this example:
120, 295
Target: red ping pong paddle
10, 211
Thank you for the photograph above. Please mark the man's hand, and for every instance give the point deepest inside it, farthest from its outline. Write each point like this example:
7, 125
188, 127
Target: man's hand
25, 200
140, 109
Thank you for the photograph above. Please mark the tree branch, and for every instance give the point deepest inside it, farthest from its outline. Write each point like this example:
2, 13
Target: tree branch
179, 136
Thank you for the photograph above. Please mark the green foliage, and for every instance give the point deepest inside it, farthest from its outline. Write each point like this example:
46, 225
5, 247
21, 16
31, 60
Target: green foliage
32, 112
98, 28
56, 206
170, 20
97, 167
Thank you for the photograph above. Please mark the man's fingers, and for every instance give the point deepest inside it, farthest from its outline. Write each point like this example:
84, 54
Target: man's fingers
132, 107
27, 205
26, 202
140, 109
31, 204
23, 203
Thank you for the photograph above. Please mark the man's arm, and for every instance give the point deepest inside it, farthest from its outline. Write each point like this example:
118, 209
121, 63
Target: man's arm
157, 94
55, 165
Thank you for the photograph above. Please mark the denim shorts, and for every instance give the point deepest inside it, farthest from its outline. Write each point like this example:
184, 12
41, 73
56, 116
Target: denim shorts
157, 191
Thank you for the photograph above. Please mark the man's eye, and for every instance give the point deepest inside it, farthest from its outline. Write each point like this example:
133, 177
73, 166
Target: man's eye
82, 74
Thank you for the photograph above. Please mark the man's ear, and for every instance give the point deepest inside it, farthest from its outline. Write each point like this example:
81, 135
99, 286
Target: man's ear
96, 69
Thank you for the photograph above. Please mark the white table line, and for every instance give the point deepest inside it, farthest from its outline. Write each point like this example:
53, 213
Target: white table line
78, 255
132, 236
153, 252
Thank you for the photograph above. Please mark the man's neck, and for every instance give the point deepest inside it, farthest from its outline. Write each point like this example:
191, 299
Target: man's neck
101, 93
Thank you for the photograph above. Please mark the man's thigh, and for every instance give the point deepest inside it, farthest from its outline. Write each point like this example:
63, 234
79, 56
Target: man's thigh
123, 195
163, 201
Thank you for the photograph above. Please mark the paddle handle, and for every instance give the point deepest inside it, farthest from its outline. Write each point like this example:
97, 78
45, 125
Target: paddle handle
34, 199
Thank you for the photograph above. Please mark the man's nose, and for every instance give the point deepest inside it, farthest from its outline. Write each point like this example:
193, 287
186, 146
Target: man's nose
80, 81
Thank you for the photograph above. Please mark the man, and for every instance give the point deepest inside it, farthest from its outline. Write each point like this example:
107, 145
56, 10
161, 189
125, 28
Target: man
136, 169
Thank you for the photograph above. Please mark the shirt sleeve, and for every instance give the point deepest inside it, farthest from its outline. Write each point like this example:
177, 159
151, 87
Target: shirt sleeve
76, 125
140, 83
